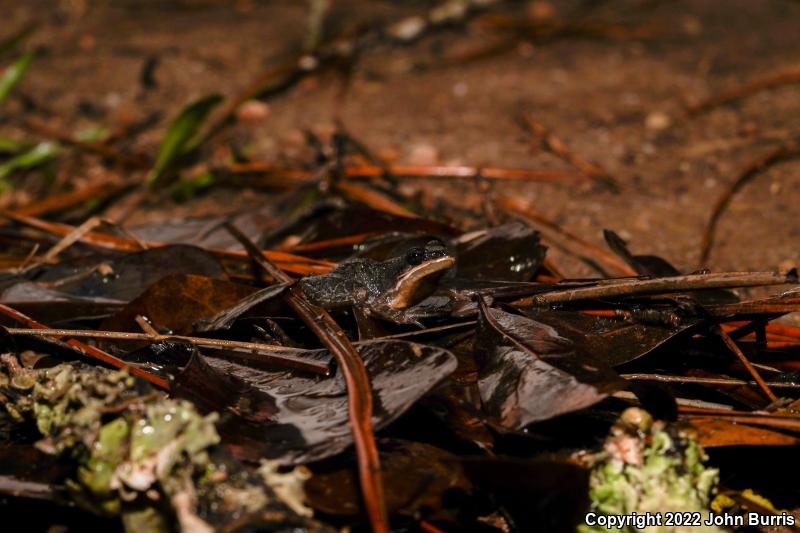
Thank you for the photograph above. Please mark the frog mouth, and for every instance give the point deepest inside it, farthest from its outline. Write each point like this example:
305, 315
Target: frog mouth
407, 289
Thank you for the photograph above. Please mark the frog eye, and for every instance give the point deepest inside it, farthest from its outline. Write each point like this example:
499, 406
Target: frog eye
415, 256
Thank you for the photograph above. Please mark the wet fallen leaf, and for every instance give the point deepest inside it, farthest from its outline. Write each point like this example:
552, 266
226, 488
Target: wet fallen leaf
511, 252
314, 412
612, 341
124, 277
177, 301
531, 373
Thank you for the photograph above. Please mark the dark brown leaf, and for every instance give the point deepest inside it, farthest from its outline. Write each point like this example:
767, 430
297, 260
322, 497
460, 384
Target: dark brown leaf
418, 478
177, 301
531, 373
511, 252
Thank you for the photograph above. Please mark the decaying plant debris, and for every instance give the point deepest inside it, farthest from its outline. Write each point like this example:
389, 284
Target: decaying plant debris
354, 353
500, 364
645, 468
144, 457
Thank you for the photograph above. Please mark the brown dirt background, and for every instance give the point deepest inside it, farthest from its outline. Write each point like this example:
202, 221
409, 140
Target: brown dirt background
602, 97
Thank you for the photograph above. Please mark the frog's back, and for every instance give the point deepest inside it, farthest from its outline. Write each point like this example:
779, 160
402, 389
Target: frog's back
352, 282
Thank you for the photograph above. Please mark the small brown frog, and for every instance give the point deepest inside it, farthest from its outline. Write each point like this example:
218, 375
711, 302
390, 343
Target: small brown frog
385, 289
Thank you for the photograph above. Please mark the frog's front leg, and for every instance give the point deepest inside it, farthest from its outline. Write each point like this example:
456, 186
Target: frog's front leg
332, 291
398, 316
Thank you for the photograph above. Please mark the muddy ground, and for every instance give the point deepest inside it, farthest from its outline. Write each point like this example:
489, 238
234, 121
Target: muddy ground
618, 102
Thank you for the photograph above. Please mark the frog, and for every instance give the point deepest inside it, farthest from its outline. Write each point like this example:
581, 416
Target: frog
385, 289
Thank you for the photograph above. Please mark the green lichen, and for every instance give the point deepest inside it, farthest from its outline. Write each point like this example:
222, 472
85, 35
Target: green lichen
648, 467
147, 458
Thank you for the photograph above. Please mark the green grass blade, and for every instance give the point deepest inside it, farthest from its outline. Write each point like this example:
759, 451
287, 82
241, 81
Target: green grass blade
13, 41
9, 146
38, 155
13, 74
179, 135
187, 189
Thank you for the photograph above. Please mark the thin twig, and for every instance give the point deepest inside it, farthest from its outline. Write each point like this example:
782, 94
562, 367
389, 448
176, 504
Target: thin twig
747, 89
705, 381
416, 333
746, 362
547, 139
669, 284
91, 351
410, 171
71, 238
752, 169
266, 350
372, 198
146, 326
782, 420
359, 392
350, 240
67, 200
130, 161
290, 262
775, 307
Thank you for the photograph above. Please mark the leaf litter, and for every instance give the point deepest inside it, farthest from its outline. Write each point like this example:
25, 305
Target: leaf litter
506, 397
531, 363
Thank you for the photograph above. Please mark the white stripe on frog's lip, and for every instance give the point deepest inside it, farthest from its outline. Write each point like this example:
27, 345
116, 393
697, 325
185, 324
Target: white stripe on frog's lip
400, 296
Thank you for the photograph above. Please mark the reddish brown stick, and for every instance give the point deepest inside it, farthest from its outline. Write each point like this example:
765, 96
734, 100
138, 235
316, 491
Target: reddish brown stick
372, 198
702, 381
416, 171
67, 200
551, 143
329, 243
359, 392
290, 262
750, 368
747, 89
91, 351
615, 288
266, 351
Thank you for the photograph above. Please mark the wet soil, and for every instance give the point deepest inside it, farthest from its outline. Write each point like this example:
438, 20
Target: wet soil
618, 102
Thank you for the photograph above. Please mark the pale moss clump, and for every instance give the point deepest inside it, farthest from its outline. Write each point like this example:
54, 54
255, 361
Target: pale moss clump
649, 467
147, 458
